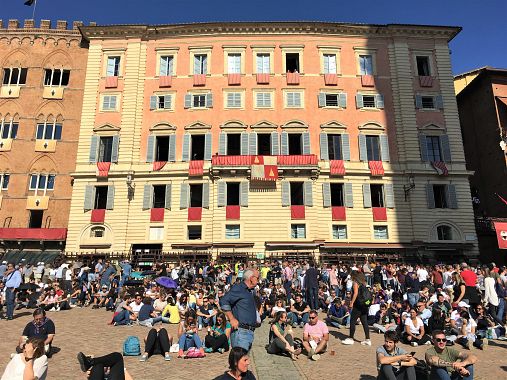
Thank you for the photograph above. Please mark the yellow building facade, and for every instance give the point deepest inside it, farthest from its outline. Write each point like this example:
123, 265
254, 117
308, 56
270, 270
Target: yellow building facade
270, 139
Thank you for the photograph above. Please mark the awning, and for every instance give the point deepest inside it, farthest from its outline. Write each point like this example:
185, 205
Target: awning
292, 244
233, 245
365, 245
37, 234
31, 256
192, 246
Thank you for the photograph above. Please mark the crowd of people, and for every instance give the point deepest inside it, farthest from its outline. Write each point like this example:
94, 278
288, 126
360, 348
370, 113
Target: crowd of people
218, 306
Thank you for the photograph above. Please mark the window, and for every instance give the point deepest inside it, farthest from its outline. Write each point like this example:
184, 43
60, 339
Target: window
232, 231
196, 195
4, 181
373, 148
444, 232
56, 77
200, 64
423, 65
329, 63
232, 193
233, 144
161, 148
298, 231
365, 64
263, 144
293, 100
113, 66
380, 232
332, 100
166, 65
197, 145
194, 232
296, 193
8, 128
158, 196
97, 232
105, 148
292, 63
433, 146
199, 100
263, 100
49, 131
263, 63
100, 202
377, 195
427, 102
339, 232
234, 100
156, 233
430, 102
334, 146
42, 182
295, 144
337, 196
15, 76
161, 102
369, 101
440, 196
109, 103
234, 63
36, 217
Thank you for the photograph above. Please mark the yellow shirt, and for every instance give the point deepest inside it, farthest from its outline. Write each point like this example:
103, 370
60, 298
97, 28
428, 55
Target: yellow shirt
192, 299
174, 314
264, 272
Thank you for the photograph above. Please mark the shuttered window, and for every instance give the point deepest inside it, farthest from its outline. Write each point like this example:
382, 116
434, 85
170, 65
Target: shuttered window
366, 64
329, 63
234, 99
200, 64
263, 100
234, 63
166, 65
293, 100
109, 102
232, 231
113, 66
433, 146
380, 232
339, 232
263, 63
298, 231
373, 148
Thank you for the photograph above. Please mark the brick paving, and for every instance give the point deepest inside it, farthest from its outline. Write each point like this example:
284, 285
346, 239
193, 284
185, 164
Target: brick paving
87, 330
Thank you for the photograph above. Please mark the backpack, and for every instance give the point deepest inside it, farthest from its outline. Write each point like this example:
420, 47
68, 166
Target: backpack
194, 352
364, 296
131, 346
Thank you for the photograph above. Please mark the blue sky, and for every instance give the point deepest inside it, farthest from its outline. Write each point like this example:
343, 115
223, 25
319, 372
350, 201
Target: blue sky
482, 42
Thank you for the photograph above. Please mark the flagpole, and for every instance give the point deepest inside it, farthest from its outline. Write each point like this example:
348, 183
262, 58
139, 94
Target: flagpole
34, 7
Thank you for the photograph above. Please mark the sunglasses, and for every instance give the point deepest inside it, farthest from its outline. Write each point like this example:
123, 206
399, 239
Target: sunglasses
314, 317
440, 340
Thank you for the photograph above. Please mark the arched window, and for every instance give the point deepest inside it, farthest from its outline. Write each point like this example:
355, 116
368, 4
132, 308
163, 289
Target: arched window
9, 126
97, 232
444, 232
49, 128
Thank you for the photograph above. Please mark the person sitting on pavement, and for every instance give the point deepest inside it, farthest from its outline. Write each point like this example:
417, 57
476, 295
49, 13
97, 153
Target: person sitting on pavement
443, 305
158, 341
172, 311
218, 338
281, 339
467, 337
30, 364
414, 333
187, 335
160, 303
299, 312
136, 304
97, 368
238, 366
447, 363
338, 314
100, 297
206, 314
393, 362
148, 316
279, 306
485, 322
384, 320
42, 328
124, 315
315, 336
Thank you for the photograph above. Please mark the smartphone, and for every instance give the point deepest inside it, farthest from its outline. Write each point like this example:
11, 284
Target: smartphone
412, 353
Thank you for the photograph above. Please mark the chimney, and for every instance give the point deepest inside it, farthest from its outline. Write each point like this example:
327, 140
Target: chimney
13, 24
45, 24
77, 24
61, 25
29, 24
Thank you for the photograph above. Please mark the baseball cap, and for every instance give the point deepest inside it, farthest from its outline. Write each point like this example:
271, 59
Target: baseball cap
463, 304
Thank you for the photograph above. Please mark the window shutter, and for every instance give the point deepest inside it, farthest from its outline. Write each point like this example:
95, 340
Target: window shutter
197, 65
116, 145
430, 195
222, 144
207, 146
259, 64
423, 145
153, 102
349, 195
147, 197
326, 194
150, 149
308, 193
275, 146
366, 195
205, 195
389, 194
285, 193
222, 193
446, 148
93, 149
285, 143
243, 193
322, 99
306, 142
379, 101
451, 195
110, 197
439, 102
252, 148
359, 101
167, 102
205, 65
345, 146
184, 195
363, 153
342, 100
324, 148
89, 197
168, 195
185, 155
384, 148
209, 100
244, 143
164, 66
326, 63
172, 148
418, 101
188, 101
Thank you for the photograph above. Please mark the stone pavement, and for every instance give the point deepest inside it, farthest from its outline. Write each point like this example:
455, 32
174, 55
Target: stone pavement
87, 330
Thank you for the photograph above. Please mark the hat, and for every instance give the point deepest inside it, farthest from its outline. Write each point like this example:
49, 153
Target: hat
104, 286
4, 262
86, 268
463, 304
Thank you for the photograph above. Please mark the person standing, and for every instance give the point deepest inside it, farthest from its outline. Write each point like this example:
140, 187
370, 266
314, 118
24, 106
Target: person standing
12, 279
240, 308
359, 303
312, 286
287, 279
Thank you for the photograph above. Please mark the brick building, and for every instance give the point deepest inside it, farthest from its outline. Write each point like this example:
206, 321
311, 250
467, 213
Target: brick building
43, 73
309, 139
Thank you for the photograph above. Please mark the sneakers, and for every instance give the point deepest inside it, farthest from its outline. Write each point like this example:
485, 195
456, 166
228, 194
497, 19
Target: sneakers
52, 309
208, 350
302, 325
167, 357
294, 325
428, 343
85, 362
366, 342
200, 327
348, 341
414, 344
143, 358
221, 350
315, 357
181, 353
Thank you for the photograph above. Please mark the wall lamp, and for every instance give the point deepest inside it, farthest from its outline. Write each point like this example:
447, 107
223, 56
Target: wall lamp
409, 187
130, 187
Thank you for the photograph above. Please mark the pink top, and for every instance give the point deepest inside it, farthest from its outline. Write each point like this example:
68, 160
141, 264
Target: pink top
316, 331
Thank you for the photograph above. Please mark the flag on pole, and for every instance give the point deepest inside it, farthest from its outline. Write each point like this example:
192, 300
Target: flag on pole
501, 198
29, 2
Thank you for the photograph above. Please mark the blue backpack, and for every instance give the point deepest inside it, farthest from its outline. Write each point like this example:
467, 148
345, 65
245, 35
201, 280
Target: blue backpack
131, 346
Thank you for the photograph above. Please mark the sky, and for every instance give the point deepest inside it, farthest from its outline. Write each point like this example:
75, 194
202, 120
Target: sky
482, 42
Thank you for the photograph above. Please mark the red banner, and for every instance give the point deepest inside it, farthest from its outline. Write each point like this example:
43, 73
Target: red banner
232, 212
194, 214
98, 216
379, 214
501, 234
338, 213
158, 165
157, 215
297, 212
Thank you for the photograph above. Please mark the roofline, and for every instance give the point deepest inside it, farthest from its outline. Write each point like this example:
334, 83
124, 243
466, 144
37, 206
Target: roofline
480, 69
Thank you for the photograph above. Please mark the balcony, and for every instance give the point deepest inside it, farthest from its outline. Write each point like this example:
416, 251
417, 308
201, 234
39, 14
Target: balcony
37, 234
9, 91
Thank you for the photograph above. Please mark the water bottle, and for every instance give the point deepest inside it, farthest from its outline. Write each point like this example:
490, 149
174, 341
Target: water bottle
489, 334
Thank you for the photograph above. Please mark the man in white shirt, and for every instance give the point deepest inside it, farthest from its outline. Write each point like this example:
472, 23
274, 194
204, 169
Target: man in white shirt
422, 274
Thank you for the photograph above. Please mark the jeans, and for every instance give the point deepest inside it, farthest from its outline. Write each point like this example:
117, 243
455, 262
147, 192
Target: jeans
388, 372
242, 338
10, 298
288, 288
205, 321
338, 322
441, 374
413, 298
383, 329
298, 319
189, 340
122, 318
312, 298
501, 309
116, 367
151, 321
157, 343
277, 345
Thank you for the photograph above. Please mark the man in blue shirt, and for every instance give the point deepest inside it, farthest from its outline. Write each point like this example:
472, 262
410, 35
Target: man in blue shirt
240, 307
12, 278
107, 274
126, 271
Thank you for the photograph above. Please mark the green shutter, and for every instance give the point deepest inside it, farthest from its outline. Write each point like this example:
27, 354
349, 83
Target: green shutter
349, 195
451, 195
252, 148
284, 143
188, 101
207, 146
172, 148
150, 148
275, 145
439, 102
244, 144
359, 101
147, 197
243, 193
89, 197
167, 101
285, 193
222, 193
94, 143
205, 195
446, 148
423, 146
418, 101
222, 144
184, 195
379, 101
342, 100
322, 99
209, 100
345, 141
384, 148
185, 155
306, 143
326, 194
324, 148
430, 195
153, 102
168, 196
110, 197
308, 193
363, 153
116, 146
389, 195
366, 195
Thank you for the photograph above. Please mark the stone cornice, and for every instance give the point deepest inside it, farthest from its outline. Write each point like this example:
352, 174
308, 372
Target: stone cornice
150, 32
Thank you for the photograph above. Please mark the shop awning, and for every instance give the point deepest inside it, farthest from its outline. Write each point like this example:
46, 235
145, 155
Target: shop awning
233, 245
292, 244
37, 234
365, 245
31, 256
